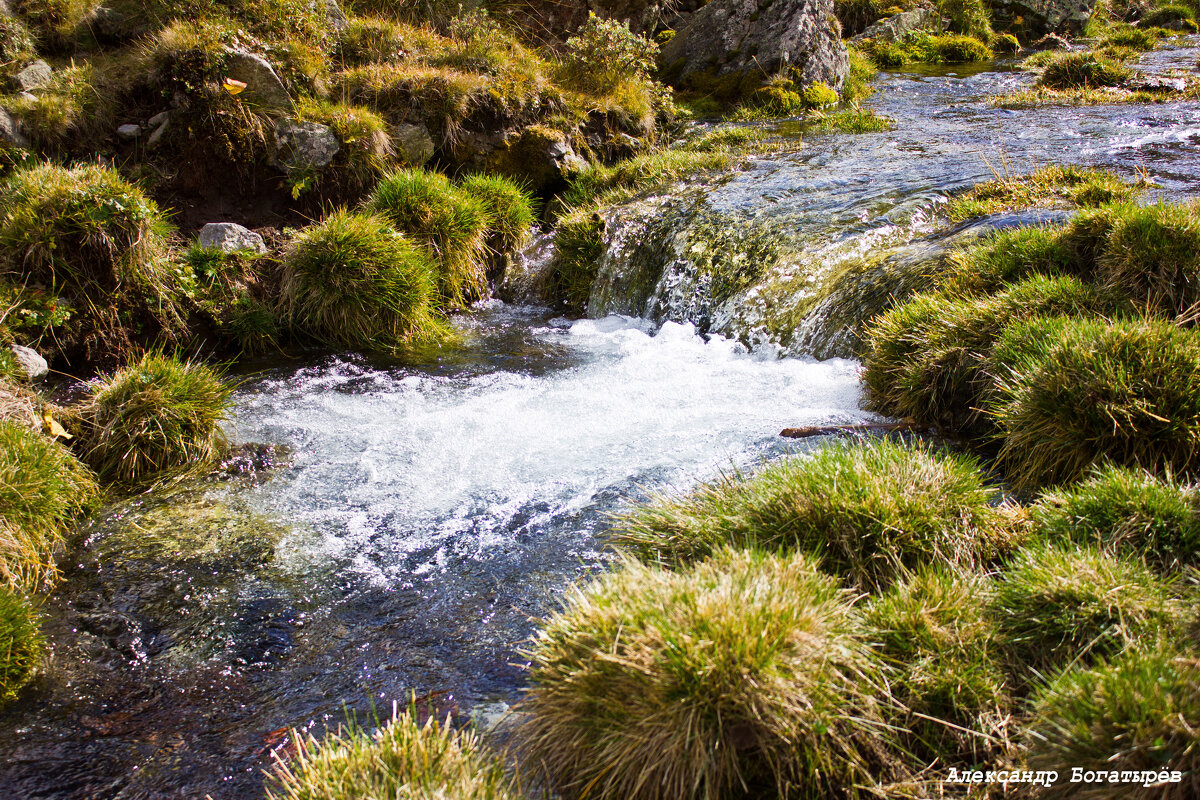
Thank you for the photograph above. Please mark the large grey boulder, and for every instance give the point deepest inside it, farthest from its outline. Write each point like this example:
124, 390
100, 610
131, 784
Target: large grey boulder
229, 237
740, 35
1038, 17
896, 27
304, 146
32, 364
263, 86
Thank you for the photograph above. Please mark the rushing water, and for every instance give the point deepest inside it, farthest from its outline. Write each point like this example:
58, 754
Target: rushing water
433, 507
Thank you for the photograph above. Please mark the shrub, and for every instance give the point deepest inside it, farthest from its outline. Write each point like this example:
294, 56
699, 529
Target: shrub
1153, 254
1060, 603
1073, 393
42, 486
1127, 512
867, 509
603, 53
352, 280
927, 358
155, 418
510, 210
1076, 70
403, 758
1136, 712
21, 643
935, 628
745, 674
451, 223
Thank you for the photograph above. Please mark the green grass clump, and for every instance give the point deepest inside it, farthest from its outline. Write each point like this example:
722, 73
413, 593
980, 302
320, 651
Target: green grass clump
866, 509
17, 45
451, 223
366, 150
1153, 254
852, 120
1061, 603
929, 48
42, 486
1138, 711
578, 245
154, 418
742, 675
1127, 512
927, 359
1140, 39
21, 643
1007, 44
352, 280
1174, 16
402, 759
510, 209
1073, 393
1081, 70
935, 628
1073, 185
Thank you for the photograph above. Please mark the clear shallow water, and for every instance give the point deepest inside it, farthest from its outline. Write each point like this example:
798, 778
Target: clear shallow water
435, 506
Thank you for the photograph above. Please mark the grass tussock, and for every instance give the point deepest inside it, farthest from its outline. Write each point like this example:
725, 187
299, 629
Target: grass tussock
1060, 603
1138, 711
1128, 513
743, 674
867, 510
1153, 254
450, 222
21, 643
403, 758
42, 487
510, 210
153, 419
1081, 70
1058, 185
927, 48
366, 149
352, 280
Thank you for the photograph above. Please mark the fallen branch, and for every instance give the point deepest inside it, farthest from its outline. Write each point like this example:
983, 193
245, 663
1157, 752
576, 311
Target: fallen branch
865, 427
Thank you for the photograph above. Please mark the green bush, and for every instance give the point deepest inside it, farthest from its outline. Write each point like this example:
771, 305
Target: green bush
867, 509
1127, 512
935, 628
351, 280
451, 223
42, 486
401, 759
1073, 393
1136, 712
1152, 253
510, 210
742, 675
1081, 70
1060, 603
603, 53
154, 418
21, 643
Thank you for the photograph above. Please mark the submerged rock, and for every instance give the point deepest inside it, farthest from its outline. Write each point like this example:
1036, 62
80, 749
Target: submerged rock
733, 36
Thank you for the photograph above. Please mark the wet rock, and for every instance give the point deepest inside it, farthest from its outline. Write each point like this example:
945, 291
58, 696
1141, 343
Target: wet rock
540, 157
253, 458
229, 237
10, 130
35, 76
412, 143
1157, 83
1039, 17
898, 26
129, 132
263, 86
1052, 41
737, 36
32, 364
304, 146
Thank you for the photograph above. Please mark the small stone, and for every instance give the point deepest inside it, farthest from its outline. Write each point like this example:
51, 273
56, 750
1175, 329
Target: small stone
129, 132
229, 237
158, 119
35, 76
10, 130
301, 146
334, 14
28, 97
1158, 83
263, 86
413, 143
33, 365
157, 134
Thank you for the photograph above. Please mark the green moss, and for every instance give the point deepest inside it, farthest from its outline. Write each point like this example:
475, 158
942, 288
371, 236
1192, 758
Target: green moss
1007, 44
154, 419
743, 674
352, 280
867, 510
404, 758
42, 487
1070, 185
1127, 512
21, 643
1073, 393
451, 223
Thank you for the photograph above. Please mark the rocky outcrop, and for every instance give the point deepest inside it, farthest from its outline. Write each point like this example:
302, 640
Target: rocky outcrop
542, 158
263, 86
229, 237
896, 27
733, 36
1036, 18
